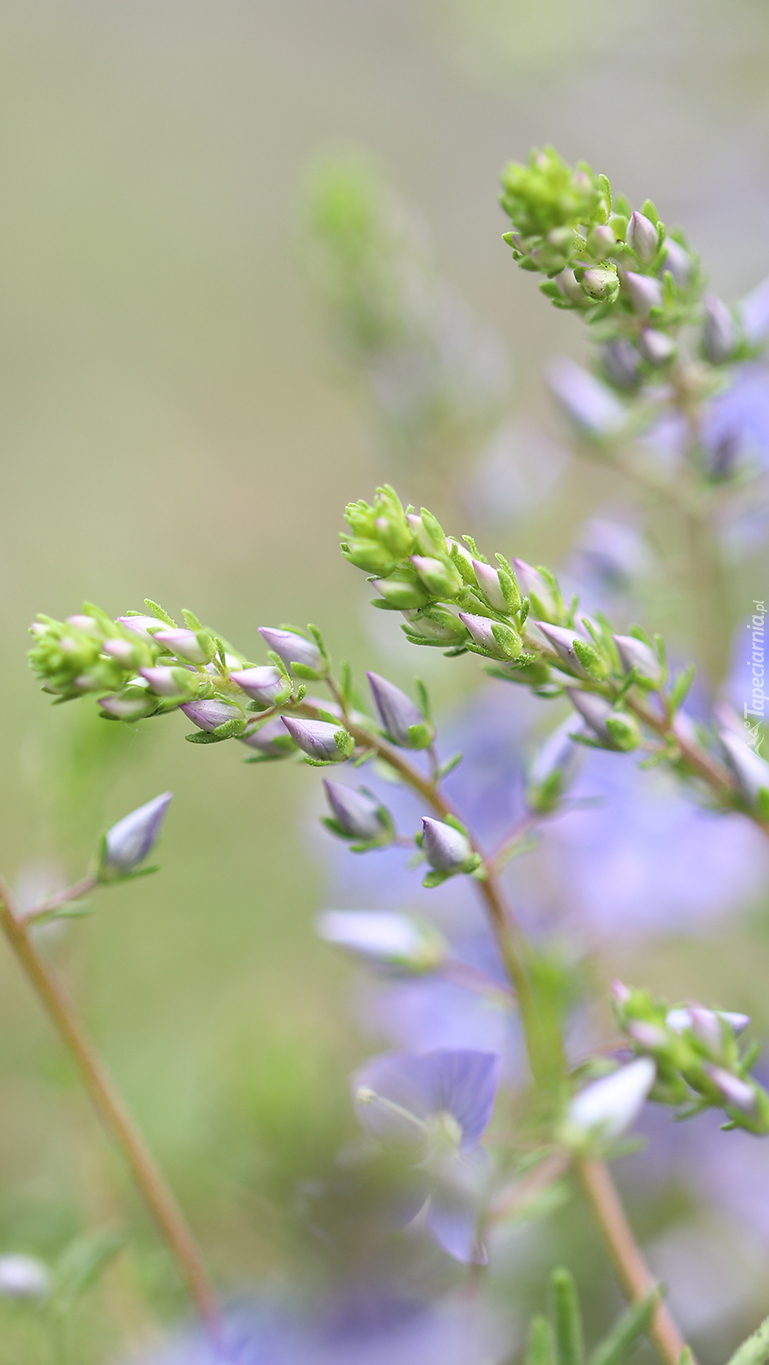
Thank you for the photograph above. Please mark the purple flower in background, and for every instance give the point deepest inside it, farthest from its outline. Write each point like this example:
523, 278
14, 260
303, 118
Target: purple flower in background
438, 1106
371, 1327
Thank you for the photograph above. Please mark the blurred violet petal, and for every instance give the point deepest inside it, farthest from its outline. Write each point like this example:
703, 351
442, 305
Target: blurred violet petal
754, 313
384, 938
590, 404
462, 1084
609, 1106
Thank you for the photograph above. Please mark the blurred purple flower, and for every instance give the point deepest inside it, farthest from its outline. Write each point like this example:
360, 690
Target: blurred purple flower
438, 1105
369, 1328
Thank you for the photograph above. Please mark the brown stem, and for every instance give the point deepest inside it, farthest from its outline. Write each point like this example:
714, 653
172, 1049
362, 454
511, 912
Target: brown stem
515, 1199
70, 893
632, 1271
109, 1104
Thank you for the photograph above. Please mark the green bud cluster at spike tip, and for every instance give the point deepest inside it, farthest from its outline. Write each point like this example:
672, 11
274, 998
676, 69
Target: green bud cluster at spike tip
667, 355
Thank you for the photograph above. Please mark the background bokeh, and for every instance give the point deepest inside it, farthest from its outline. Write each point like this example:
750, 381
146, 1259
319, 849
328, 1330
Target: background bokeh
176, 423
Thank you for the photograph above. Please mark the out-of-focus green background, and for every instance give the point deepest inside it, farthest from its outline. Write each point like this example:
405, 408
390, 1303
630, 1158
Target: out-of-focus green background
173, 424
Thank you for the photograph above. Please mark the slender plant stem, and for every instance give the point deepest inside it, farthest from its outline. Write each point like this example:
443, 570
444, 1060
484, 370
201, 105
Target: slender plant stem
112, 1110
70, 893
632, 1271
634, 1274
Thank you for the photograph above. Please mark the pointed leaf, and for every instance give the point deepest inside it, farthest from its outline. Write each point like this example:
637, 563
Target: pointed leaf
567, 1318
627, 1331
755, 1350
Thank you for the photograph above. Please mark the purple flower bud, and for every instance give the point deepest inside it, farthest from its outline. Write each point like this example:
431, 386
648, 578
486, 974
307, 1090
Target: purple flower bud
445, 848
265, 684
294, 649
644, 292
210, 714
358, 814
646, 1035
401, 719
607, 1107
620, 991
562, 641
657, 348
185, 644
385, 939
123, 651
643, 237
131, 704
535, 585
750, 770
634, 654
270, 740
620, 363
738, 1094
594, 709
720, 335
585, 400
318, 739
683, 1017
754, 313
86, 623
678, 261
23, 1277
143, 626
170, 682
487, 579
499, 640
128, 842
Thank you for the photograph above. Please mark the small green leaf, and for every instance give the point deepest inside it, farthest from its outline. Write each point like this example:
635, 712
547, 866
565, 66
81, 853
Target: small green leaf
755, 1350
157, 610
540, 1348
567, 1318
624, 1336
191, 620
681, 686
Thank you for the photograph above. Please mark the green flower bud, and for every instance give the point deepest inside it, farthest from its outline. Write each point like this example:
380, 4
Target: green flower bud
624, 731
439, 576
548, 194
400, 594
601, 283
435, 626
381, 535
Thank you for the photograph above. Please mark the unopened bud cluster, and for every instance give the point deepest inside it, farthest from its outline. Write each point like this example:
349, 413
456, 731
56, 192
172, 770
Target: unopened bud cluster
639, 285
697, 1057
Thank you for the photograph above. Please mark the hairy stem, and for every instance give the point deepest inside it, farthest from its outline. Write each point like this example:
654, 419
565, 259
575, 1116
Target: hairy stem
110, 1106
